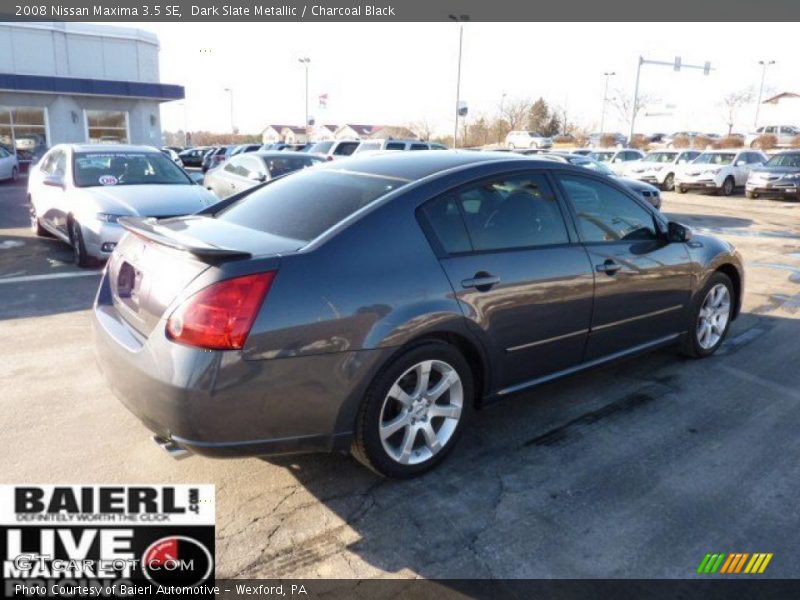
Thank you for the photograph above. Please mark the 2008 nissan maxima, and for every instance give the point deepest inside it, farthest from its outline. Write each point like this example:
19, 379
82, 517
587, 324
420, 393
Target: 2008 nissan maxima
371, 305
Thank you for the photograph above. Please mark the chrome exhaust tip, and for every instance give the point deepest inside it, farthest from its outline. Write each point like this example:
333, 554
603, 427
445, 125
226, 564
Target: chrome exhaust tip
171, 448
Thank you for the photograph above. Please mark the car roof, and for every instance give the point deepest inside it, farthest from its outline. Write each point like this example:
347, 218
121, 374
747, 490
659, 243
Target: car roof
417, 165
283, 153
111, 148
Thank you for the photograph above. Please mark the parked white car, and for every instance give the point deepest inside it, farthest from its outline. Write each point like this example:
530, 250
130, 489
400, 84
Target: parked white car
785, 135
720, 171
390, 144
334, 149
9, 165
658, 167
77, 193
617, 158
527, 139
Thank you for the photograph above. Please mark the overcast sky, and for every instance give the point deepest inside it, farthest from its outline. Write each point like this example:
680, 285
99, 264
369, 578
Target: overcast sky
397, 73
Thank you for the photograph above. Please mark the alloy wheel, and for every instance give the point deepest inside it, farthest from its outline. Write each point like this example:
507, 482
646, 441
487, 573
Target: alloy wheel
669, 182
714, 316
75, 234
421, 412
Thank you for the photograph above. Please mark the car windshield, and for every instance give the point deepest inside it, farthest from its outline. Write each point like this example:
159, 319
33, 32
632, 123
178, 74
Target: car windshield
283, 165
534, 134
785, 160
307, 204
714, 158
603, 156
593, 165
660, 157
126, 168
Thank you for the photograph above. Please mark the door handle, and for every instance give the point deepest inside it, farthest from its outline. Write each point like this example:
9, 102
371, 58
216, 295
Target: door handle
482, 281
610, 267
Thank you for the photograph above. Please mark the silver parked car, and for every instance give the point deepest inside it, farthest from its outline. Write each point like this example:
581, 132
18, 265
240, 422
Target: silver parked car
78, 192
9, 165
246, 170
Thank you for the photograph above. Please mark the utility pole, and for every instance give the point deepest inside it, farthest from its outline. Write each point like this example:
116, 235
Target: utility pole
607, 75
459, 19
764, 64
306, 61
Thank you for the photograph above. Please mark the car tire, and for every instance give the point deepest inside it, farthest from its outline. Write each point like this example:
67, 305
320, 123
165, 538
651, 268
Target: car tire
512, 147
36, 224
669, 182
680, 189
710, 317
727, 186
751, 195
397, 435
14, 174
79, 255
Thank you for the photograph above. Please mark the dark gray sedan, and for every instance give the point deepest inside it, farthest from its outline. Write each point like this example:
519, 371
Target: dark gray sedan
247, 170
370, 306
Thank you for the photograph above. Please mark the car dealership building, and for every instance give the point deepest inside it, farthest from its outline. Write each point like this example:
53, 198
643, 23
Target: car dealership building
79, 82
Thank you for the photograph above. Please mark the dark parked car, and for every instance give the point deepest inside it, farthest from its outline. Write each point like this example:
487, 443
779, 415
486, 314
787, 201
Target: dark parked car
245, 148
371, 308
244, 171
778, 177
193, 157
216, 156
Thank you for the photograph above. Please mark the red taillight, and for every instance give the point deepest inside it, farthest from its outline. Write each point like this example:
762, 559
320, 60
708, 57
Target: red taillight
329, 157
220, 316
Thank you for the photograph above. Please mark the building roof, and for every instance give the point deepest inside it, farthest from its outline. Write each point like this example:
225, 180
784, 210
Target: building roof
390, 131
363, 130
782, 96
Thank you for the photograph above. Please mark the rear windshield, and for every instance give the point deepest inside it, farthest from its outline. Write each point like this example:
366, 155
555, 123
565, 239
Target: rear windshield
126, 168
283, 165
308, 203
321, 147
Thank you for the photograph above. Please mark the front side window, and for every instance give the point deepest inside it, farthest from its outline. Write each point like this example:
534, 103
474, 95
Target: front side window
606, 214
346, 148
126, 168
107, 127
514, 212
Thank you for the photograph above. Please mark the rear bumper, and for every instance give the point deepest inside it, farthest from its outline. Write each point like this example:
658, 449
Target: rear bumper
782, 191
218, 404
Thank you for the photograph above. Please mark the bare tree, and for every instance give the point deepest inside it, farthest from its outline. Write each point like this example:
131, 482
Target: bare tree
422, 128
515, 112
733, 102
623, 104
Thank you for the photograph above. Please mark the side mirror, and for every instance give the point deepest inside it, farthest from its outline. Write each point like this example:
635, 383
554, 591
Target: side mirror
677, 233
54, 181
259, 177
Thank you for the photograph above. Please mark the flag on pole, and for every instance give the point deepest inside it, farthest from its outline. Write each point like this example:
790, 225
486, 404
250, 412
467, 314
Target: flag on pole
323, 100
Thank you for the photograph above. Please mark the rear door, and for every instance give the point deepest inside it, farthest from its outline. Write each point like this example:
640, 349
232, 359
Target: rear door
523, 282
643, 283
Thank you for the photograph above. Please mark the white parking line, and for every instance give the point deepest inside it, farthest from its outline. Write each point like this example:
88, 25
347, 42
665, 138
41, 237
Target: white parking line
46, 276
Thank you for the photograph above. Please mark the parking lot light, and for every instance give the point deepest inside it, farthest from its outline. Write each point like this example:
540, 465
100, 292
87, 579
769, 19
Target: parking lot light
764, 64
459, 19
607, 75
305, 61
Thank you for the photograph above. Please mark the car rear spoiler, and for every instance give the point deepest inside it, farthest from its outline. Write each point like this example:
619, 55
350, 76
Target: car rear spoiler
149, 229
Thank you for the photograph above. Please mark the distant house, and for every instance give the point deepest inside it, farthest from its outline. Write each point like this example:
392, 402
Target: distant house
271, 134
781, 109
324, 133
356, 132
292, 134
390, 131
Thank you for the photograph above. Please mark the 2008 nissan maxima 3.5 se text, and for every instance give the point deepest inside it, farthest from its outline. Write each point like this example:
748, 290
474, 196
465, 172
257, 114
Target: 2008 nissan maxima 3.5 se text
370, 305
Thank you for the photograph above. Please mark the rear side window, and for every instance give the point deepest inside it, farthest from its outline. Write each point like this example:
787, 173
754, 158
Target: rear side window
346, 148
444, 219
419, 147
605, 214
396, 146
308, 203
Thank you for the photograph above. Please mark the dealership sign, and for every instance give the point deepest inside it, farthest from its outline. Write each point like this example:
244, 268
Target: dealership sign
102, 540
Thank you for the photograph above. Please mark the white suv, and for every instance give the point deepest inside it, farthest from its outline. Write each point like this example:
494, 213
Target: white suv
659, 167
617, 159
784, 134
390, 144
720, 171
334, 149
527, 139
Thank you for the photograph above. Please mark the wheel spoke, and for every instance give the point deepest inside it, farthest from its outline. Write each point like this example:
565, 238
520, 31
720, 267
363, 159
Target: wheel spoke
440, 388
391, 427
431, 441
448, 411
407, 445
423, 371
400, 395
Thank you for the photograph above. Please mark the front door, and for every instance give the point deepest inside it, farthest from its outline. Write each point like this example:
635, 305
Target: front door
643, 283
524, 285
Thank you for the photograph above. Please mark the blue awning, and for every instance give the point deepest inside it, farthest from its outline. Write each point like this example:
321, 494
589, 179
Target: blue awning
90, 87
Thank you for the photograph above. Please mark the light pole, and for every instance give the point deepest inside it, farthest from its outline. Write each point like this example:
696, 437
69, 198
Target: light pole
607, 75
230, 92
458, 19
305, 62
764, 64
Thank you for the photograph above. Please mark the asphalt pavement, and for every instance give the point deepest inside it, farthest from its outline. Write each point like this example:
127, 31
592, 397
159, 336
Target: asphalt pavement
636, 470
